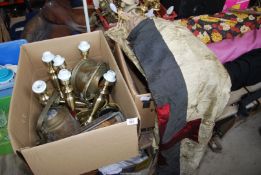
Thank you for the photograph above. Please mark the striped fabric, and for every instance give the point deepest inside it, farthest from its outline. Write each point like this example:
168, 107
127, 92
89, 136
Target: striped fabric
190, 88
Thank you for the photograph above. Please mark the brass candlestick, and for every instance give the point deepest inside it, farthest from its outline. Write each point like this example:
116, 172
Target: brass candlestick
84, 47
47, 58
59, 63
39, 87
64, 77
103, 99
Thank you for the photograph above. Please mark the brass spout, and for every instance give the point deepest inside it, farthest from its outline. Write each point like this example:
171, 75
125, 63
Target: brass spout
47, 58
39, 87
64, 77
84, 47
103, 99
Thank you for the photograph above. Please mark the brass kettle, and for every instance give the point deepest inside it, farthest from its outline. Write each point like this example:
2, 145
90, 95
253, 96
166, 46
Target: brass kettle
59, 124
55, 123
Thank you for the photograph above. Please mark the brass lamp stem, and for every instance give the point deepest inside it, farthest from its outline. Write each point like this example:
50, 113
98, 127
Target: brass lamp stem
110, 78
39, 87
84, 47
47, 58
64, 77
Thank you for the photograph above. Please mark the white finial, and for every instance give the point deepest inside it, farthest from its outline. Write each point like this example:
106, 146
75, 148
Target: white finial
113, 8
110, 76
39, 86
84, 46
150, 13
47, 57
58, 60
64, 75
96, 4
170, 10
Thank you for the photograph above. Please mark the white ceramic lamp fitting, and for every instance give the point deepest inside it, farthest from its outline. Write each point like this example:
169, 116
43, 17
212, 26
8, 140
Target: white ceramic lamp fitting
110, 76
84, 46
47, 57
39, 87
58, 60
64, 75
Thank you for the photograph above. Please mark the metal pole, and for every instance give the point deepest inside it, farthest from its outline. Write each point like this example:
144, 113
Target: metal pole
87, 19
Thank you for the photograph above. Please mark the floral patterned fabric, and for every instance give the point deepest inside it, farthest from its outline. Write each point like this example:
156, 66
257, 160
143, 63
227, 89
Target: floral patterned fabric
221, 26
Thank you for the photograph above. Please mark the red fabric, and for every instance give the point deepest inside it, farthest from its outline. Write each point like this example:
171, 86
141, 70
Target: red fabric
163, 113
190, 130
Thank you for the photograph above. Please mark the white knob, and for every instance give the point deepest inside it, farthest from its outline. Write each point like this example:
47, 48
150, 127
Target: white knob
39, 86
113, 7
84, 46
64, 75
150, 13
170, 10
110, 76
58, 60
47, 57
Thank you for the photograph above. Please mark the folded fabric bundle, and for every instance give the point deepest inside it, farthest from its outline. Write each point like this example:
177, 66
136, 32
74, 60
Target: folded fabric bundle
215, 28
230, 49
245, 70
189, 95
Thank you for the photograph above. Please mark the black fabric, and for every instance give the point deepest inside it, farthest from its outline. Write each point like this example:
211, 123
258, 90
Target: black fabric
187, 8
247, 99
166, 84
245, 70
253, 3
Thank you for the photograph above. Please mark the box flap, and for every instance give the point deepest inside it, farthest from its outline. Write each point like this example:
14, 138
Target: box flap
84, 152
147, 115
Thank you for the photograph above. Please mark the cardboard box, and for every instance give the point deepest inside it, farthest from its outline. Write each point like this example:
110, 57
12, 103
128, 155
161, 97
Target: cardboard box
80, 153
138, 90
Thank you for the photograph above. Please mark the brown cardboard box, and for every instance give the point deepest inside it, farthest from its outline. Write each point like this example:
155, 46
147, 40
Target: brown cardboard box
137, 90
80, 153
